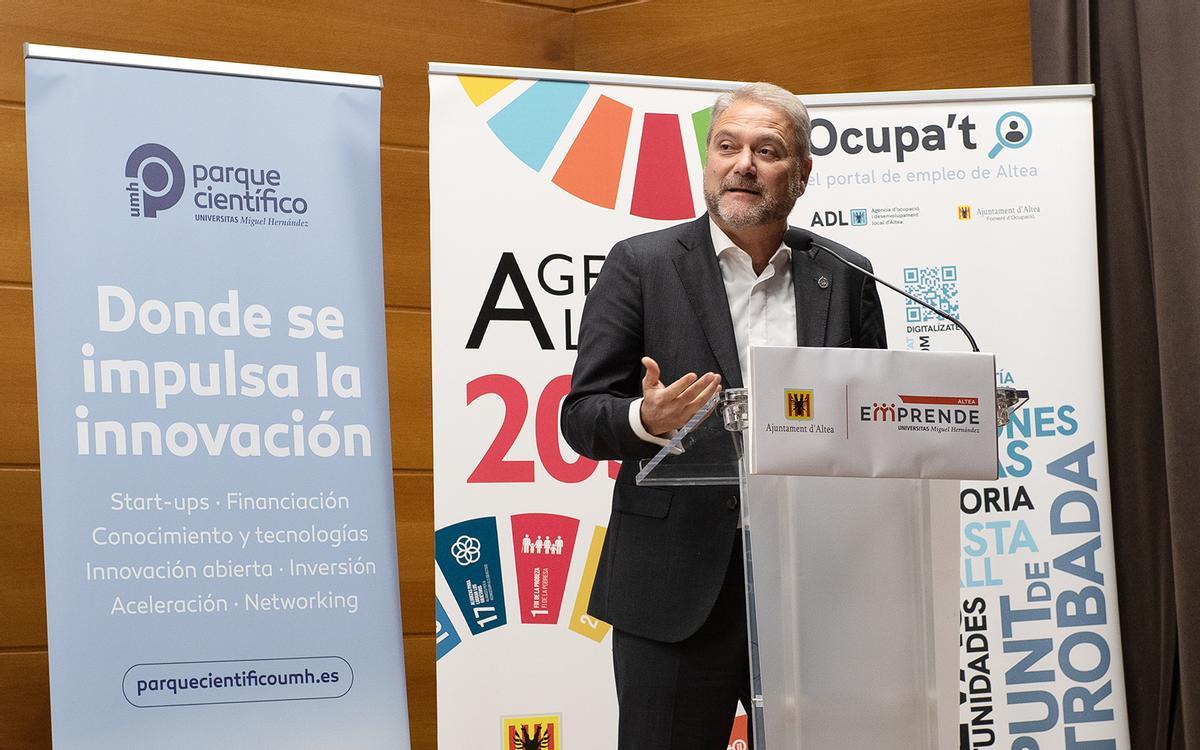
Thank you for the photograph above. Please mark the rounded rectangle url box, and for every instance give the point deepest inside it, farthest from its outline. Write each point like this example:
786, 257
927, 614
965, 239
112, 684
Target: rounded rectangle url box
237, 681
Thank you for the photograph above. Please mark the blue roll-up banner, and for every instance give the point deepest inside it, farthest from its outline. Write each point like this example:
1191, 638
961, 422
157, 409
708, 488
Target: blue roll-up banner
213, 407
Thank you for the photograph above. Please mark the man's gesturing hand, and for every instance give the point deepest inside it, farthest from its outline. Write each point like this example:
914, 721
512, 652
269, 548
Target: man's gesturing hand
669, 407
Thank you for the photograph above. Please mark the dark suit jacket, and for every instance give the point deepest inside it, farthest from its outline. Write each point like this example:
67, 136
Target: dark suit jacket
661, 295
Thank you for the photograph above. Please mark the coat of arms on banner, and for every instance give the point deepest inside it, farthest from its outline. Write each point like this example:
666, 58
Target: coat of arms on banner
798, 403
532, 732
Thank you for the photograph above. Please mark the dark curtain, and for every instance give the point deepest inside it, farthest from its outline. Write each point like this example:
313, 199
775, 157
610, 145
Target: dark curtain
1143, 57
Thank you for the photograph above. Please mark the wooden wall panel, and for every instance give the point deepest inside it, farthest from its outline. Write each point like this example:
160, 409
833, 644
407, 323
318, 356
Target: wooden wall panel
814, 47
414, 550
395, 39
405, 176
410, 386
25, 705
24, 700
22, 575
577, 5
18, 384
421, 675
14, 196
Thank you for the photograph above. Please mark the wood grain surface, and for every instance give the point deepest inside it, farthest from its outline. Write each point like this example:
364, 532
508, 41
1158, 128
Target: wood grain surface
394, 39
815, 47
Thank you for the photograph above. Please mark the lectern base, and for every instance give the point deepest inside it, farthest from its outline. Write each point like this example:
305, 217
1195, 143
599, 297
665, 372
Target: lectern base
853, 615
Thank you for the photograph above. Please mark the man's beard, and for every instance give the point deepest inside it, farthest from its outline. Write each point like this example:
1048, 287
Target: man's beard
771, 207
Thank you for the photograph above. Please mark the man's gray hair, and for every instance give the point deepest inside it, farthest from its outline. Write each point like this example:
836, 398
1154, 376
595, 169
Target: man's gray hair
768, 95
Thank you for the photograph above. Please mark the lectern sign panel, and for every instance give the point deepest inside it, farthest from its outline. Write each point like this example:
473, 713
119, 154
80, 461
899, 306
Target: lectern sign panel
872, 413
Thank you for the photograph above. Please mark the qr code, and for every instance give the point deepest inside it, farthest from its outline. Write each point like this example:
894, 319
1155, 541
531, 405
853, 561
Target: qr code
935, 285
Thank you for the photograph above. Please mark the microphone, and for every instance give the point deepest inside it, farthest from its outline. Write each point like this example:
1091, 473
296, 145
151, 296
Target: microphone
1008, 399
801, 240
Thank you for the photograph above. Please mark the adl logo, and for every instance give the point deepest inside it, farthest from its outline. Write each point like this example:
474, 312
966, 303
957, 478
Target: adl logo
155, 180
858, 218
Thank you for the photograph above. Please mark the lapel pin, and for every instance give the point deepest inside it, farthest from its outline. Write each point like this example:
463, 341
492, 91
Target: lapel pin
823, 282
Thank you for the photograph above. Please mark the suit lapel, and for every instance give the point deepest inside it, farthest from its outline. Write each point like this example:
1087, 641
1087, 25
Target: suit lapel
698, 268
812, 280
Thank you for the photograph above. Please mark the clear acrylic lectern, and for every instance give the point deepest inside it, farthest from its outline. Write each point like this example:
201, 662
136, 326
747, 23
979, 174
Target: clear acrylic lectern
851, 595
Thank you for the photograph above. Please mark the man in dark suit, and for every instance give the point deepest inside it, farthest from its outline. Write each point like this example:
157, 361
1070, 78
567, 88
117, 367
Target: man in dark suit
671, 318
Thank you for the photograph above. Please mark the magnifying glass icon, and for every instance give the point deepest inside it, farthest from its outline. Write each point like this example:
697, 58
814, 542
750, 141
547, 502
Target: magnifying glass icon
1013, 130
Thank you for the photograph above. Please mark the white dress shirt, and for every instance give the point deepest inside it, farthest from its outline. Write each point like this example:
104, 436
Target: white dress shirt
763, 308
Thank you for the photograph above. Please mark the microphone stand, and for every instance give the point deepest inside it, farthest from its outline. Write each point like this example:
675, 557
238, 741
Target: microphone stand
926, 305
1007, 399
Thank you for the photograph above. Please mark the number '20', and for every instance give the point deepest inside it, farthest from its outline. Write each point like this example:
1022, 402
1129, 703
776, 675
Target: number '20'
495, 466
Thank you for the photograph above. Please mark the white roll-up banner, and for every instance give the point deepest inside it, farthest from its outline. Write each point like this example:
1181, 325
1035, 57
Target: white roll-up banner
978, 201
213, 407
